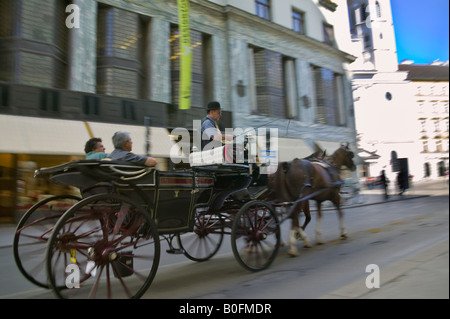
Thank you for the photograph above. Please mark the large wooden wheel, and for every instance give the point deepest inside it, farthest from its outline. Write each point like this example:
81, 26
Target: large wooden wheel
32, 233
255, 237
105, 246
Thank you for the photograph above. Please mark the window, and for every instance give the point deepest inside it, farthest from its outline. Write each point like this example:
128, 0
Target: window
4, 99
427, 169
298, 21
91, 105
128, 110
436, 125
329, 99
272, 84
363, 12
367, 41
438, 145
441, 168
423, 124
49, 101
328, 34
421, 107
121, 50
435, 107
425, 147
378, 9
263, 9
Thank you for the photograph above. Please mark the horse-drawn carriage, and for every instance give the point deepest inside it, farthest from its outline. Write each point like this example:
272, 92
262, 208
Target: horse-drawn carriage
106, 243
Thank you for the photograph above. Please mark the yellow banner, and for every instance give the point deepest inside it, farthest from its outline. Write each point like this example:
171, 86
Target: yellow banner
186, 55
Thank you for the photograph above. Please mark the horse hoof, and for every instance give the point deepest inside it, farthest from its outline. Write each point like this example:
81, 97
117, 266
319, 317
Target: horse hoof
293, 253
307, 245
282, 244
320, 242
344, 236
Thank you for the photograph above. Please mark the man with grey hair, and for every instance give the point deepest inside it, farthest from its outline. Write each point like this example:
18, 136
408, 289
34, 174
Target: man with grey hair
122, 151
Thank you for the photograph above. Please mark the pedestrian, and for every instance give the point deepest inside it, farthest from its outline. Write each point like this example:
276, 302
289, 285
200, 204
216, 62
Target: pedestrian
123, 146
94, 149
211, 133
384, 183
402, 181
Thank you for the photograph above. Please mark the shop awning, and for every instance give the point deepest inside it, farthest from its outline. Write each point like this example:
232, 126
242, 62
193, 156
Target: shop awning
36, 135
160, 142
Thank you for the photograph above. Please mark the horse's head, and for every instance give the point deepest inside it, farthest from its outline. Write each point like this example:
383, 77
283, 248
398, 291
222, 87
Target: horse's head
343, 156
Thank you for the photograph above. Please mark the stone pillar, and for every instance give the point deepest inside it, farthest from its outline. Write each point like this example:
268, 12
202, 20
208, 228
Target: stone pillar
82, 51
306, 90
221, 72
158, 85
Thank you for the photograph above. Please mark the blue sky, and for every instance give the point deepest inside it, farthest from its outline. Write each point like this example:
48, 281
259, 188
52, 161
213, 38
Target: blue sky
421, 29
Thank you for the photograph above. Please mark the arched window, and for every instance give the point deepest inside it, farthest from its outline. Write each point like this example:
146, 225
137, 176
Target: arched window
363, 12
378, 9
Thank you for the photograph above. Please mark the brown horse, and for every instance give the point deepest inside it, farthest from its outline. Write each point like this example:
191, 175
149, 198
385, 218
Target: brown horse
319, 179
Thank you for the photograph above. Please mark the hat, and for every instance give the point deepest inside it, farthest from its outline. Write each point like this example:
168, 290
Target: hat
213, 105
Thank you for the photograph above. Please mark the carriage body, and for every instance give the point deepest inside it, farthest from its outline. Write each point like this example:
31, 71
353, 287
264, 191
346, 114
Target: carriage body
168, 197
115, 227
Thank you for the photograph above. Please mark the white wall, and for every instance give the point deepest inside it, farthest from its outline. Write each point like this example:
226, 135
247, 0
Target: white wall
281, 13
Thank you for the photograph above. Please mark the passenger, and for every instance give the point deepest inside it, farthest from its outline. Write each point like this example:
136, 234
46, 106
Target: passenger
94, 149
122, 151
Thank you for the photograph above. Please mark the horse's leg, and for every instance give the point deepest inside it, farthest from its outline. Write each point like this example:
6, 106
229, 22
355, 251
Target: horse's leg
292, 241
337, 204
301, 230
319, 237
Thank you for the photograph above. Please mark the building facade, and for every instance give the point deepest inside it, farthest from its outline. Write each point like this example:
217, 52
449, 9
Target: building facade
431, 93
387, 104
100, 66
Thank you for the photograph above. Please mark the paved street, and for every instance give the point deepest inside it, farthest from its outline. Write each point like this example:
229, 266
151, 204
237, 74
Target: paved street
421, 273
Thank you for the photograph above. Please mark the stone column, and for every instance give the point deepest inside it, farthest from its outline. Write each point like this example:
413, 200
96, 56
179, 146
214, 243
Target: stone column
306, 91
158, 85
221, 72
82, 51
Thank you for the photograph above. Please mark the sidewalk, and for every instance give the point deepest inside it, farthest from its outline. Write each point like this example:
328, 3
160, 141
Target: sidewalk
422, 274
417, 276
376, 196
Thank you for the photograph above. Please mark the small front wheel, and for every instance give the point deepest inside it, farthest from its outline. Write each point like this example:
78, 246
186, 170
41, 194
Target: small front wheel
206, 238
255, 237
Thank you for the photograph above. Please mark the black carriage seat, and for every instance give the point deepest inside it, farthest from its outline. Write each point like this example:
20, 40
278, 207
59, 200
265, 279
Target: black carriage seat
98, 176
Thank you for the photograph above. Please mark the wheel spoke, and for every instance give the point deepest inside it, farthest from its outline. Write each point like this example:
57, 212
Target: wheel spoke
255, 236
119, 253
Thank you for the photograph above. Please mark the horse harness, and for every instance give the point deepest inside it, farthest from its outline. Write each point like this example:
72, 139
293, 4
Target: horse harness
309, 173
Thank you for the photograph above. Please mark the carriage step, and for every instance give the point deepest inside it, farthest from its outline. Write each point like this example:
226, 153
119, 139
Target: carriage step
175, 251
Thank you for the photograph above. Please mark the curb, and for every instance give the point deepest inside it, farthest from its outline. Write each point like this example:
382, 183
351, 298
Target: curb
374, 203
